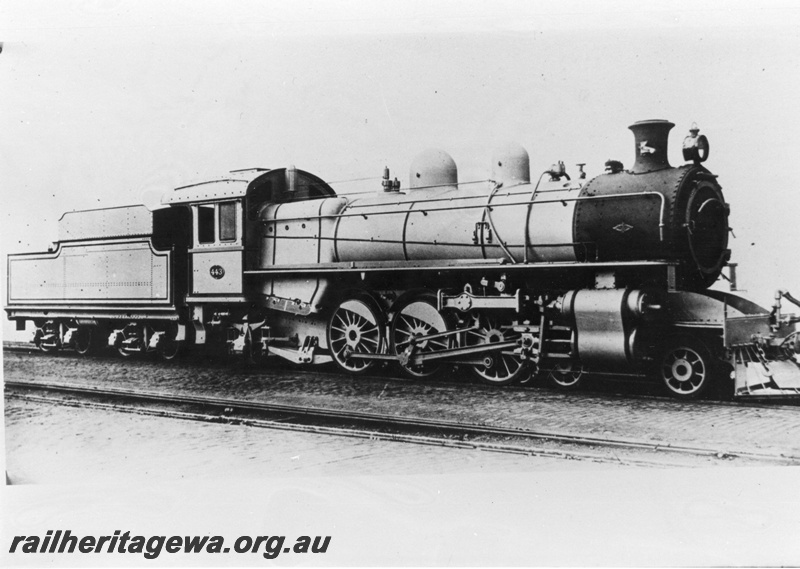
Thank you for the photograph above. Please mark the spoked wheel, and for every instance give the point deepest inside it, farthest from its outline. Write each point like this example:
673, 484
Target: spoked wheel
415, 319
355, 327
686, 367
498, 368
124, 353
49, 329
790, 346
170, 347
86, 340
567, 376
253, 352
129, 332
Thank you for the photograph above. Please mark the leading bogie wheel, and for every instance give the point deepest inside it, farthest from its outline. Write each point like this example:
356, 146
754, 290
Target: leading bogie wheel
355, 327
501, 367
685, 367
413, 319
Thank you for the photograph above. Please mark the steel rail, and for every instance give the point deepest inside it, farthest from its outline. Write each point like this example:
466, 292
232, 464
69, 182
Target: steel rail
225, 407
788, 402
365, 434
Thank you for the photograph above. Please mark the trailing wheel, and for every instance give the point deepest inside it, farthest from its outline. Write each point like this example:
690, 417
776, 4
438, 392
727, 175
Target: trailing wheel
170, 347
417, 318
355, 327
253, 352
501, 367
685, 367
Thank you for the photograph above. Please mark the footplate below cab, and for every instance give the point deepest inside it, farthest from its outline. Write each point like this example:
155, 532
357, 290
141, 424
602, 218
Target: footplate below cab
755, 376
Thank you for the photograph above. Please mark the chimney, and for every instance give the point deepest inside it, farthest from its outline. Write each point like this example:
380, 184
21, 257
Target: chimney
651, 145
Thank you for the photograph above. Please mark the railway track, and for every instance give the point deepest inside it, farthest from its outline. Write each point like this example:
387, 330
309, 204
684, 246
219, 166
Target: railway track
608, 389
388, 427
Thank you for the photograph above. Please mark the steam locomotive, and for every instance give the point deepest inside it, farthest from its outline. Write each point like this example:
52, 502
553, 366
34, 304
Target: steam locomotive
510, 278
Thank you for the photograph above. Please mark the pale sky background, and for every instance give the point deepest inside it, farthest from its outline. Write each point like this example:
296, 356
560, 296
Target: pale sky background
101, 102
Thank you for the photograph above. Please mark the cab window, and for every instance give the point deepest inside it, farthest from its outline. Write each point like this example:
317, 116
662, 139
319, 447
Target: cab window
227, 221
205, 223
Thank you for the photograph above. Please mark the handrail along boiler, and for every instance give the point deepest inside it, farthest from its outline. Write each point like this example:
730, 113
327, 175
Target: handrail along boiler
509, 277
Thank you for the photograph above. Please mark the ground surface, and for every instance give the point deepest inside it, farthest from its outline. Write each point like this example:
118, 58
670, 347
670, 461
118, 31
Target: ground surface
385, 503
46, 443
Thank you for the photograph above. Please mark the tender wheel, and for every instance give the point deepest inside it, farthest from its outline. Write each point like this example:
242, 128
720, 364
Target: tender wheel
85, 340
124, 353
499, 368
415, 319
48, 341
355, 327
48, 349
566, 377
686, 367
131, 332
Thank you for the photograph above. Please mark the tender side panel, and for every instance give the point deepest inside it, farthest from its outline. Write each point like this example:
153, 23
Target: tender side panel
105, 223
130, 272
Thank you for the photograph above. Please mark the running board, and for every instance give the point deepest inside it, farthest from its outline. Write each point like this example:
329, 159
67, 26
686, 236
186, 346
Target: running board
305, 354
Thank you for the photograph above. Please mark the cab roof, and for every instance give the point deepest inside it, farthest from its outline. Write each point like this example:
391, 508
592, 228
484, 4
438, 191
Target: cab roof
233, 186
270, 185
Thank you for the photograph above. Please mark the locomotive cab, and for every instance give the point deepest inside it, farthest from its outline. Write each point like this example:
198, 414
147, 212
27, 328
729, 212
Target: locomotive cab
226, 226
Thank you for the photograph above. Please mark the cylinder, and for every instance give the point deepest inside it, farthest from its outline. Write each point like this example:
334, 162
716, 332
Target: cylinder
605, 323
